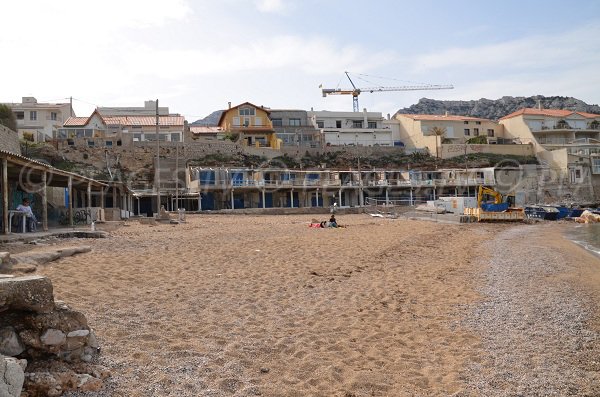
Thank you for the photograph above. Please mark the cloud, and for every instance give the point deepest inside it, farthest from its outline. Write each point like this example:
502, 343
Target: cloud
271, 6
559, 50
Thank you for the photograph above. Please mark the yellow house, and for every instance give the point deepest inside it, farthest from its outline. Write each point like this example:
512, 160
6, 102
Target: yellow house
251, 123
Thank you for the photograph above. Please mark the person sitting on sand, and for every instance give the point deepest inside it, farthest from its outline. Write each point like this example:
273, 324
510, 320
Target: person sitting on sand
332, 221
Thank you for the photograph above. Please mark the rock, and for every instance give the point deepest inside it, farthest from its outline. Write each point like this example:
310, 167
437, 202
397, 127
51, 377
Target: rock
23, 268
66, 252
92, 341
78, 333
88, 383
53, 337
28, 293
10, 343
11, 376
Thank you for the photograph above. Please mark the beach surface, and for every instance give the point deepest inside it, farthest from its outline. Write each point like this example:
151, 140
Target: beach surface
264, 305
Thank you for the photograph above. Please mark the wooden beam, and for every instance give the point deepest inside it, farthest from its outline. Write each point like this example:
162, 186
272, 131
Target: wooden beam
89, 194
44, 203
70, 193
5, 196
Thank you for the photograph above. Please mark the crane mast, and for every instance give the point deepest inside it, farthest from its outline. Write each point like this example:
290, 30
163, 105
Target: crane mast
355, 92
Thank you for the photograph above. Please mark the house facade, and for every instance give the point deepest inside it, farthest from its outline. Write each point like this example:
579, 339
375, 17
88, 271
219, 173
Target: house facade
295, 128
566, 140
98, 130
38, 122
419, 130
353, 128
250, 125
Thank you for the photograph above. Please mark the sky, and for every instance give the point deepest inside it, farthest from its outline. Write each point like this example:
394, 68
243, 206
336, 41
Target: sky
195, 56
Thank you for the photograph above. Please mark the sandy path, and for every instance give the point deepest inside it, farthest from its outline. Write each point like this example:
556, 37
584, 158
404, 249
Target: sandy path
242, 305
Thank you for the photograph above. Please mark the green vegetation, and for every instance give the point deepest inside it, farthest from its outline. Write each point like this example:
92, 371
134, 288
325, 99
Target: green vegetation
7, 117
482, 139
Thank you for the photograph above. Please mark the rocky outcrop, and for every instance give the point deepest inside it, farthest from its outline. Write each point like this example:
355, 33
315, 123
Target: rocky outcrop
11, 376
495, 109
53, 338
210, 120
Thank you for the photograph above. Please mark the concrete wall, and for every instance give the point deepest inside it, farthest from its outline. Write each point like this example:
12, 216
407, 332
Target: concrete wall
450, 150
9, 140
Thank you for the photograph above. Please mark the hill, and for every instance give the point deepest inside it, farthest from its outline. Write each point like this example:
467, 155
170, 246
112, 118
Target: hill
495, 109
210, 120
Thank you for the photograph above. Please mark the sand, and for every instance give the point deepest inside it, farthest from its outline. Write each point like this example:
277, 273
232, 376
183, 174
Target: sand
264, 305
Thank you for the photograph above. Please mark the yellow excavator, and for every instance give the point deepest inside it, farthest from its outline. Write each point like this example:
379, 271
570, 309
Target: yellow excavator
502, 208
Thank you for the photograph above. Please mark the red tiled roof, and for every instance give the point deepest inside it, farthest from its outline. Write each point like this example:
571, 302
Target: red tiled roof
76, 121
548, 112
441, 117
127, 120
205, 130
144, 120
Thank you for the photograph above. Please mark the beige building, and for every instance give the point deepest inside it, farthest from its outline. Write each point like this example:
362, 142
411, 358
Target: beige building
38, 122
562, 138
110, 131
418, 130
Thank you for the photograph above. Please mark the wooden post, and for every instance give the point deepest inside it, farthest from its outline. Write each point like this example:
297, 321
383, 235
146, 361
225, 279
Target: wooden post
70, 193
102, 197
44, 202
5, 196
89, 194
114, 196
199, 201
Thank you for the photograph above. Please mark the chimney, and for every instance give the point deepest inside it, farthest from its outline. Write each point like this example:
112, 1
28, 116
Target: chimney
388, 116
446, 113
229, 103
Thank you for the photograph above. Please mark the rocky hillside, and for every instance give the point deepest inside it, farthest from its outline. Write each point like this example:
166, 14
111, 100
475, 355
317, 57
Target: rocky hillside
494, 109
210, 120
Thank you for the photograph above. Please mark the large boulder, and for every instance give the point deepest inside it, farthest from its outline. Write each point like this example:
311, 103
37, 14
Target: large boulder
11, 376
28, 293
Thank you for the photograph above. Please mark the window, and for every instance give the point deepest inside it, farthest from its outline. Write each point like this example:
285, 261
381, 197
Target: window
136, 126
246, 111
596, 165
295, 122
119, 143
277, 122
320, 124
20, 115
137, 137
478, 122
91, 143
53, 116
475, 131
372, 124
175, 137
490, 133
357, 124
577, 174
467, 132
70, 142
338, 124
33, 115
109, 143
465, 122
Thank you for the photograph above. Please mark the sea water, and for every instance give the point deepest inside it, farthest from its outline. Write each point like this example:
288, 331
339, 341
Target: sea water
587, 235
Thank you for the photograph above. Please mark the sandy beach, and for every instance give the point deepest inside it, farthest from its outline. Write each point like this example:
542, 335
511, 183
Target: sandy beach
264, 305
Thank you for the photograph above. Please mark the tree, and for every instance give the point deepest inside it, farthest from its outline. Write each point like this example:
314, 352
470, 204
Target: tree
7, 117
439, 132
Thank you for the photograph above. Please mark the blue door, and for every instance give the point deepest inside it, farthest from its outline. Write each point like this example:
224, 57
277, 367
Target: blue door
313, 201
237, 178
295, 198
238, 201
268, 200
208, 201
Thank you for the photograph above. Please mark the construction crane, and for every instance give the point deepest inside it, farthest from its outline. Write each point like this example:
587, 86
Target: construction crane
355, 92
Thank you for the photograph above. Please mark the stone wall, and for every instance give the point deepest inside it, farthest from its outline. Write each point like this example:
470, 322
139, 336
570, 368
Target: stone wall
55, 341
9, 140
455, 150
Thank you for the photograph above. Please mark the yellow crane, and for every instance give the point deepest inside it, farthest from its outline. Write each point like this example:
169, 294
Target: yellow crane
355, 92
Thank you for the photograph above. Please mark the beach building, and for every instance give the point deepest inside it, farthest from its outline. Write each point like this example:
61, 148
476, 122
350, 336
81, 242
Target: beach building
295, 128
37, 121
217, 188
354, 128
97, 130
250, 125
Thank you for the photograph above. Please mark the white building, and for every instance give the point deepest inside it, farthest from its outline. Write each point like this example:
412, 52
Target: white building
355, 128
38, 122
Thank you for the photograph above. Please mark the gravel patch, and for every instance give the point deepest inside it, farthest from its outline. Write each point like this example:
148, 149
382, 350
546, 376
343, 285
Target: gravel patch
532, 324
